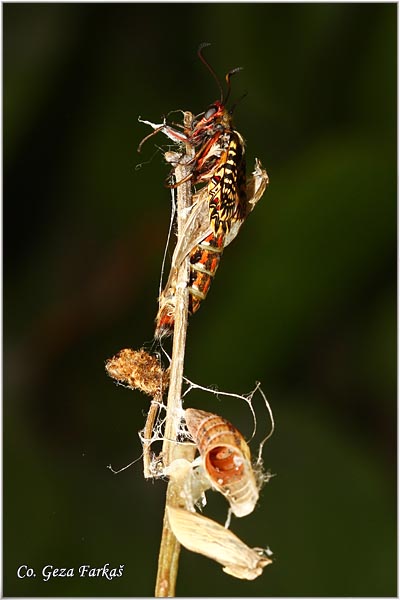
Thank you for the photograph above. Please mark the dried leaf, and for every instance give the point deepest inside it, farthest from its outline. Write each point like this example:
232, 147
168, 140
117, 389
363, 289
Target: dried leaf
204, 536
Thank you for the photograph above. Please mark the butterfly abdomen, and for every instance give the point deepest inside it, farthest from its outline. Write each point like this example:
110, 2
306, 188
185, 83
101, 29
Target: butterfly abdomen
204, 261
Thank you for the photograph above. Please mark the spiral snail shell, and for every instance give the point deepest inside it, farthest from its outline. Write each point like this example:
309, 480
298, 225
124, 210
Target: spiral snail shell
226, 459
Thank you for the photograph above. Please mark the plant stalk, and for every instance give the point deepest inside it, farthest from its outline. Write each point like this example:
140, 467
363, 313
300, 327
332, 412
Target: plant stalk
168, 559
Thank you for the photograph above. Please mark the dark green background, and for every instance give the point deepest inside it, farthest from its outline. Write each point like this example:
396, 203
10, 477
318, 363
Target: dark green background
304, 301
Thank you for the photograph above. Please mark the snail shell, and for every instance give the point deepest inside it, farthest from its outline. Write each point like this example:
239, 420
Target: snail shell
226, 459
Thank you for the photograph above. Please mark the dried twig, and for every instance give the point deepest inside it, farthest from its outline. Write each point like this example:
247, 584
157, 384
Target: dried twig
170, 547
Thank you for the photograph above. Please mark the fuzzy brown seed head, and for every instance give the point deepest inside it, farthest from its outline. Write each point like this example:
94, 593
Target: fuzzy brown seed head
138, 370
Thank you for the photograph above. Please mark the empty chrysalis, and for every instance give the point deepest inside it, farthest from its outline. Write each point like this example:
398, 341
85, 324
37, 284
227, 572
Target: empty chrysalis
226, 459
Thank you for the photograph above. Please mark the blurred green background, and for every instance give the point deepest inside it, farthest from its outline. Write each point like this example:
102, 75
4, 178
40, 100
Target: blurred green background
304, 300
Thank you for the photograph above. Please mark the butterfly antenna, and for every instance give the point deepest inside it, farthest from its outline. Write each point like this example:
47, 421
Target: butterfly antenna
228, 83
213, 73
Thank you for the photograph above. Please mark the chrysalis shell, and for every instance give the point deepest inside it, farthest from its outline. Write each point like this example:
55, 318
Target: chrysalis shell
226, 459
204, 536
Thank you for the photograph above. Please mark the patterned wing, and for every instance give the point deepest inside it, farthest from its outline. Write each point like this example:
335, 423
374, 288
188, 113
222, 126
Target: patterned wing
205, 248
227, 186
255, 187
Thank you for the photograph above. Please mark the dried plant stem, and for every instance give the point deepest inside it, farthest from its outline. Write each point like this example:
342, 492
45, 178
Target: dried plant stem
170, 547
148, 436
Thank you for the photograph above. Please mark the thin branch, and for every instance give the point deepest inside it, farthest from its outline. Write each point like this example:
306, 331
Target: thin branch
148, 437
170, 547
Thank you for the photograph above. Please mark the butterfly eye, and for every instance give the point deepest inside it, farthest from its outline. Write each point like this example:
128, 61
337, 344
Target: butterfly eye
210, 112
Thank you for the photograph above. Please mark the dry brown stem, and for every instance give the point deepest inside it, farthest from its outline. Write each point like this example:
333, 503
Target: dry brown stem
170, 547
